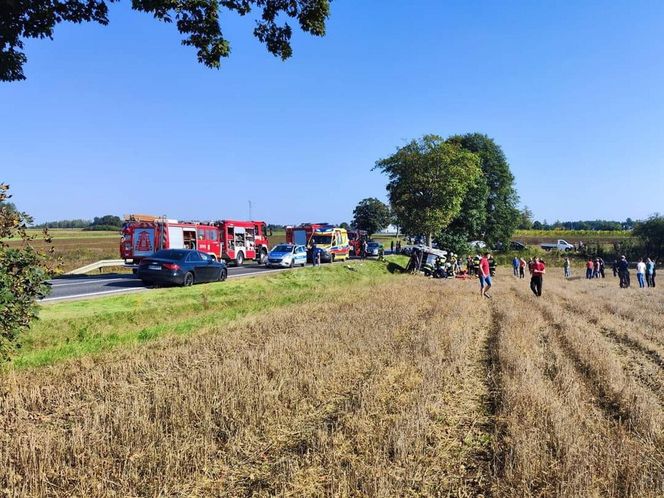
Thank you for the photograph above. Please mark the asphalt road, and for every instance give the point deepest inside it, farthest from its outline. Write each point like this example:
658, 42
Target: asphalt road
85, 286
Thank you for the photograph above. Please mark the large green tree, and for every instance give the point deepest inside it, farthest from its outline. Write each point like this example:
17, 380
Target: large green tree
23, 273
428, 181
500, 202
371, 215
197, 20
651, 233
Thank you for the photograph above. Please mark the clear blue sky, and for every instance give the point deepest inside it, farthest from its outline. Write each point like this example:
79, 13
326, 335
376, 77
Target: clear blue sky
123, 119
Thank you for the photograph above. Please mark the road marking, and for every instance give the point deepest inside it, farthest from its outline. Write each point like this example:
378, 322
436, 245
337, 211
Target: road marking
91, 294
83, 282
256, 272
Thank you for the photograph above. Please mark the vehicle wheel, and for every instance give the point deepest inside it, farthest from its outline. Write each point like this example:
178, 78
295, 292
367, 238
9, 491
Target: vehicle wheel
331, 258
239, 259
147, 282
223, 274
263, 257
302, 265
188, 279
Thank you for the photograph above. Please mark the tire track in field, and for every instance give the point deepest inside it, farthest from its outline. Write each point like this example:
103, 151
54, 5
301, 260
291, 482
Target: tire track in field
620, 401
587, 410
494, 392
649, 373
602, 396
637, 344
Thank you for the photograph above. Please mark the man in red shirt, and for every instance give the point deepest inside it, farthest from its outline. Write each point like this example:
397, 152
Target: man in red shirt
485, 276
538, 272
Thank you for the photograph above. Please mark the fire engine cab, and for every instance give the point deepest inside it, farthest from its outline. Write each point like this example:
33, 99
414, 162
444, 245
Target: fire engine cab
233, 241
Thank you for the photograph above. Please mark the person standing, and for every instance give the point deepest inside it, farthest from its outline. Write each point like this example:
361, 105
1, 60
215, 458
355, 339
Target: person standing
567, 268
363, 250
601, 267
641, 273
476, 264
485, 275
492, 265
314, 252
522, 268
391, 247
589, 268
623, 272
515, 266
536, 280
650, 271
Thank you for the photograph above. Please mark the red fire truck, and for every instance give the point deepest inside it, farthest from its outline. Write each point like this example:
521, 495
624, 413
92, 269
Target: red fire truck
231, 240
301, 234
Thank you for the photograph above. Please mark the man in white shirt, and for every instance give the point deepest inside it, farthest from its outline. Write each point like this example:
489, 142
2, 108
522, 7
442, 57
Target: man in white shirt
641, 273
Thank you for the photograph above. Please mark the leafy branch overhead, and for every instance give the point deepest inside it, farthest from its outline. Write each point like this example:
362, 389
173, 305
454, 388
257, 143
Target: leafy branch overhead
197, 20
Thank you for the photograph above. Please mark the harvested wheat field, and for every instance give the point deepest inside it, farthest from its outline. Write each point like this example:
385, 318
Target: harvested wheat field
391, 386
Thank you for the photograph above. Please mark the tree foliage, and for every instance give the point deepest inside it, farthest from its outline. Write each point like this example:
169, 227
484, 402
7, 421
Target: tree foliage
605, 225
371, 215
428, 181
525, 219
500, 203
197, 20
651, 232
107, 220
23, 273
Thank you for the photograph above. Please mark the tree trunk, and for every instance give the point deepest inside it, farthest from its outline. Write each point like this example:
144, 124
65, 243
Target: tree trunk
429, 241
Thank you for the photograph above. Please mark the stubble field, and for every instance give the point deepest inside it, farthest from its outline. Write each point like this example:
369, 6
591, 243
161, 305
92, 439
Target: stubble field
391, 385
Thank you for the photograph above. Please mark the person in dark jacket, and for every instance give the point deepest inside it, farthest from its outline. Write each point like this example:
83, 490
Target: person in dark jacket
623, 272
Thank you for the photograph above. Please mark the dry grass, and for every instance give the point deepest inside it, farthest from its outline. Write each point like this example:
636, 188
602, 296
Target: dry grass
427, 391
76, 251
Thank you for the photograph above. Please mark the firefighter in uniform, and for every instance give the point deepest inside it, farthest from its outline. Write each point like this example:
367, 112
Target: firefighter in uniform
492, 265
476, 265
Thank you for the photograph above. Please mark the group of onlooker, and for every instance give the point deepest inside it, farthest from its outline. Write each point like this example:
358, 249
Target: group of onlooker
646, 273
519, 266
594, 268
536, 268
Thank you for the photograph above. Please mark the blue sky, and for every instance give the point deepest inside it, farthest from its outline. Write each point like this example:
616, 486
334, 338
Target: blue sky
123, 119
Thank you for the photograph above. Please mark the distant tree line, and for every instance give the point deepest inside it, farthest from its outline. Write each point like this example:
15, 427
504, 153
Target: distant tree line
526, 222
101, 223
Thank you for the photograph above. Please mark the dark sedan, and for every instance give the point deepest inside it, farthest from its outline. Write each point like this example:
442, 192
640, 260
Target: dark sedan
182, 267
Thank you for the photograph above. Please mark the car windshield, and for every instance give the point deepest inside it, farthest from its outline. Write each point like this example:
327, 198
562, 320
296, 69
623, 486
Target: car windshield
283, 248
322, 239
170, 254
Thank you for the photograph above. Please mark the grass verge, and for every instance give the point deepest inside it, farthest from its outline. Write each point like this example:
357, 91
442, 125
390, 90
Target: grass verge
80, 328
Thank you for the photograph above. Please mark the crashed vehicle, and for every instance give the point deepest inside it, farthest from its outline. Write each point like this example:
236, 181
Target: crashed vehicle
427, 260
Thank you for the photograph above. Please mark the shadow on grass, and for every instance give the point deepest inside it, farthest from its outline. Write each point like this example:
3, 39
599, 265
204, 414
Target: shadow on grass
395, 268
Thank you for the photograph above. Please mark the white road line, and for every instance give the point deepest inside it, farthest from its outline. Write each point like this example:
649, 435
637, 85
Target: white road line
261, 272
83, 282
114, 291
140, 289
